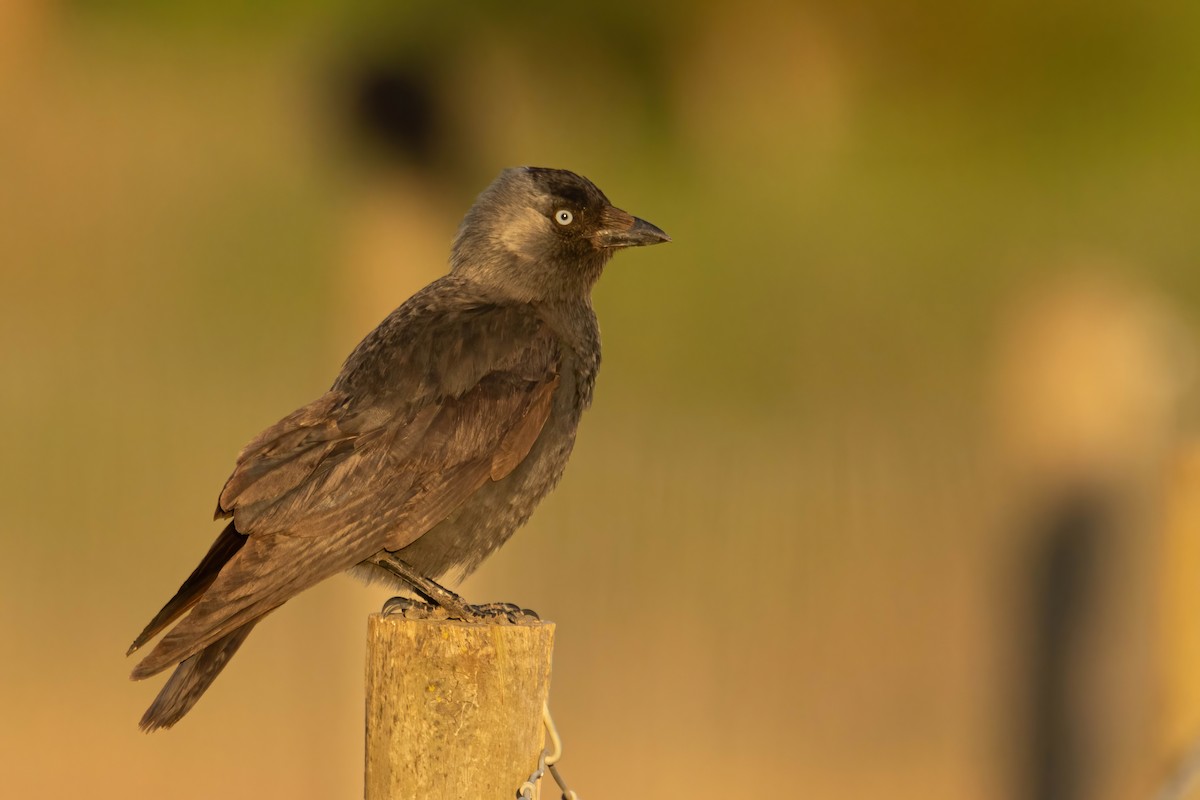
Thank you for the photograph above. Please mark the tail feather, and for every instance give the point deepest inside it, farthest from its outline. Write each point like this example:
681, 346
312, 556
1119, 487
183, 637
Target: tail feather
224, 548
191, 679
195, 674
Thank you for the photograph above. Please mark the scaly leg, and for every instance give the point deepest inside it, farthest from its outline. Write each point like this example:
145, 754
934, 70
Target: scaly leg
438, 595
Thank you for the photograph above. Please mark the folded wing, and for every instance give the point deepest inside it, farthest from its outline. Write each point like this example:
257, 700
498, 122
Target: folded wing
405, 436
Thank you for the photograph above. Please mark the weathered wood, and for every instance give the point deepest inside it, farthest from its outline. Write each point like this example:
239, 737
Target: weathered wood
454, 710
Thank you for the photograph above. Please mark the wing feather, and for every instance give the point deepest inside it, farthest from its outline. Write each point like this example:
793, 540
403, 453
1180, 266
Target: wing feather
363, 469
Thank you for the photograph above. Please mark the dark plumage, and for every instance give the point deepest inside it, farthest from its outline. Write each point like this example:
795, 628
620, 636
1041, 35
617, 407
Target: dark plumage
445, 428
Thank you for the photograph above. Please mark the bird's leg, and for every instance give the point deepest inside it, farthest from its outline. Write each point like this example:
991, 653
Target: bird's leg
428, 588
440, 596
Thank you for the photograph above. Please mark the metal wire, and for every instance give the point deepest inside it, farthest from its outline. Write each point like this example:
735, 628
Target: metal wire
547, 760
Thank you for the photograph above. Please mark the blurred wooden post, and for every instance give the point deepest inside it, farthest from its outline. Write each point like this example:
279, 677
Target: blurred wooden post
1092, 382
454, 710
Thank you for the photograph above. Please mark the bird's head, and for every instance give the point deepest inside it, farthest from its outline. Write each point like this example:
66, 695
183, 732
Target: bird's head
538, 233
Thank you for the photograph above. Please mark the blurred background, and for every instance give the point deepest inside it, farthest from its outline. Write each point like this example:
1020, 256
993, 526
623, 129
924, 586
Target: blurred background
890, 488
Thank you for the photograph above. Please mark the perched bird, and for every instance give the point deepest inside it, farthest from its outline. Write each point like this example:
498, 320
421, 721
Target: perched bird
445, 428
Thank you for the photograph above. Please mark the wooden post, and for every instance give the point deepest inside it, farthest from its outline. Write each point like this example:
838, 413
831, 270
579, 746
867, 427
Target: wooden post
454, 710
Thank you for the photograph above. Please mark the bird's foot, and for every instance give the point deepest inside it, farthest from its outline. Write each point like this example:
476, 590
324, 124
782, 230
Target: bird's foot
486, 613
441, 603
504, 612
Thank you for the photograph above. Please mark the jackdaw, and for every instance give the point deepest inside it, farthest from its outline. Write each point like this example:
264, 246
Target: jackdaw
445, 428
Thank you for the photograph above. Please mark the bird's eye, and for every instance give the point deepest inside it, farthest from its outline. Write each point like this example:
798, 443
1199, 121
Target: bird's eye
563, 217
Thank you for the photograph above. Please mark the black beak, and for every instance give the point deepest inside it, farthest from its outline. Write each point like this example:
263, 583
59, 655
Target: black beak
622, 229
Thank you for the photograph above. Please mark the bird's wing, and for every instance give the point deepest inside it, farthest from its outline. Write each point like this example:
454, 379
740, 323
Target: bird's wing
361, 470
286, 455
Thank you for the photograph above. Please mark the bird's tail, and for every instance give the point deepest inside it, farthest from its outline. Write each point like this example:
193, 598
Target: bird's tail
191, 679
224, 548
194, 674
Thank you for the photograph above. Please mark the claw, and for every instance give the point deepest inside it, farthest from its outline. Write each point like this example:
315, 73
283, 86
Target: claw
510, 612
399, 605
